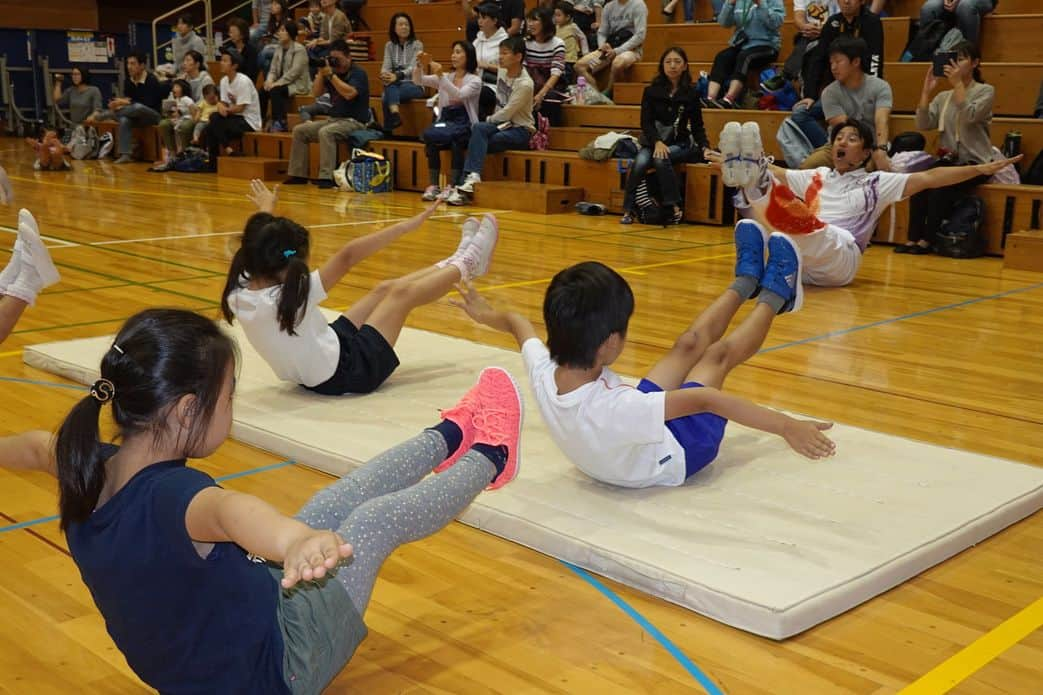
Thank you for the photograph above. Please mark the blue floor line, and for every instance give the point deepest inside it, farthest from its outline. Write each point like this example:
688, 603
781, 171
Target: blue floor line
651, 629
915, 314
223, 478
37, 382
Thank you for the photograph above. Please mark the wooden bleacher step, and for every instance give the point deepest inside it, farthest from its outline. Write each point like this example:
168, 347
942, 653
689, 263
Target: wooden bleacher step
1024, 251
263, 168
539, 198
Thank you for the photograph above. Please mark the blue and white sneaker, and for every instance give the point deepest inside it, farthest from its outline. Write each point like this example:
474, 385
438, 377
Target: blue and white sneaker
751, 244
751, 154
783, 271
729, 144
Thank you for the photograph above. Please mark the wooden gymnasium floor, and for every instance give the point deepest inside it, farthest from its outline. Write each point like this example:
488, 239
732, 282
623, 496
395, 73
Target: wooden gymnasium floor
922, 347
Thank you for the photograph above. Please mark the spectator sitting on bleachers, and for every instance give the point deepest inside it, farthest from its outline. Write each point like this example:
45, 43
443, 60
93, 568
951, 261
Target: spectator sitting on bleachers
487, 49
587, 15
545, 63
333, 27
312, 22
82, 98
268, 42
510, 14
458, 92
140, 107
510, 127
205, 108
809, 16
753, 46
853, 20
572, 36
348, 89
854, 95
396, 71
193, 72
238, 41
185, 40
239, 111
962, 116
671, 131
621, 38
966, 14
260, 13
287, 77
175, 129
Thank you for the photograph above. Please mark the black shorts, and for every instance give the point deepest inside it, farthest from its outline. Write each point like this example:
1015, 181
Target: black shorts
366, 360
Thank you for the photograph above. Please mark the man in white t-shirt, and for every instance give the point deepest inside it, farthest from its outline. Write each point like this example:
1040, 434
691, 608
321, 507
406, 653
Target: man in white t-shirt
671, 424
239, 111
830, 213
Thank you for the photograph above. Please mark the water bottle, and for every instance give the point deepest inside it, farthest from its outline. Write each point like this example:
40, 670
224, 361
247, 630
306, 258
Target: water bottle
581, 90
219, 40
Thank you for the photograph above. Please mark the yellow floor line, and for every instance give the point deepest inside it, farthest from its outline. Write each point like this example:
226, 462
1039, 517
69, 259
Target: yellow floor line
12, 353
972, 658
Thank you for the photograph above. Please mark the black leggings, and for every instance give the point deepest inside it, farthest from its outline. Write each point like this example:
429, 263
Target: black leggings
734, 63
221, 131
279, 98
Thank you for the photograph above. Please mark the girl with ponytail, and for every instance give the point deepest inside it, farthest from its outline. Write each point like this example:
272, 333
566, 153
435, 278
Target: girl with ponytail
275, 296
174, 562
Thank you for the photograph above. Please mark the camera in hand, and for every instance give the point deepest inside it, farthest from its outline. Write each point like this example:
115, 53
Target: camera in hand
940, 60
334, 62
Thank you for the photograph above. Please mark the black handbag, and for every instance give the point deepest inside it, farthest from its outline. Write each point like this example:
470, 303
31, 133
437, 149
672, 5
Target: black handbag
619, 37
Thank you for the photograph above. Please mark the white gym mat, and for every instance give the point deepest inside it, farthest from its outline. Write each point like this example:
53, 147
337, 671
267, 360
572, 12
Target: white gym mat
762, 539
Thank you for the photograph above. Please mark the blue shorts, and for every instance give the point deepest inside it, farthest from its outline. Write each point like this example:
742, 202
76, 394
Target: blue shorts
699, 435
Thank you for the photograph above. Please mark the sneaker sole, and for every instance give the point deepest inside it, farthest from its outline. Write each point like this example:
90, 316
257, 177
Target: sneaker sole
798, 295
729, 144
751, 149
512, 467
41, 258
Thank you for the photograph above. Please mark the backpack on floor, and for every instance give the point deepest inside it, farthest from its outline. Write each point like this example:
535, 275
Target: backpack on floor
960, 233
650, 209
192, 161
926, 41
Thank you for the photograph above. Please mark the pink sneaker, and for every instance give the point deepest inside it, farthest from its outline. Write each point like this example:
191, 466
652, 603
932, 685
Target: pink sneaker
490, 413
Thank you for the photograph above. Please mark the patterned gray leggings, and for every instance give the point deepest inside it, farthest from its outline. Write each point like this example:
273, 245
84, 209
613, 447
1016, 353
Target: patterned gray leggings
387, 503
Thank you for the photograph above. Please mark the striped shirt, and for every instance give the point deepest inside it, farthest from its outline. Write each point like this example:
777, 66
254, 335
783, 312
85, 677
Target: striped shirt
544, 59
401, 59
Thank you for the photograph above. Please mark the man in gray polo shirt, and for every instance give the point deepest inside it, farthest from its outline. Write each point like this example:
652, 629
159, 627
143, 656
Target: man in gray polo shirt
858, 95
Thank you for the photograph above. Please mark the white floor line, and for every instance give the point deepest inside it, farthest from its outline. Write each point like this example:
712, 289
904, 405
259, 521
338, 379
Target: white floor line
61, 244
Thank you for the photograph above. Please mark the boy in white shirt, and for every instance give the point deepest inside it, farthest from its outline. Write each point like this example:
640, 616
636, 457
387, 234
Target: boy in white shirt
671, 425
239, 111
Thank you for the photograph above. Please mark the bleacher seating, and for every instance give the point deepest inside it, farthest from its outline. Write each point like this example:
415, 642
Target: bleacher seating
1012, 62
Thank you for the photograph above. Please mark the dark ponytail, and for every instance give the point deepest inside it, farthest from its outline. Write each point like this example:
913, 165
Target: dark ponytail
274, 249
159, 356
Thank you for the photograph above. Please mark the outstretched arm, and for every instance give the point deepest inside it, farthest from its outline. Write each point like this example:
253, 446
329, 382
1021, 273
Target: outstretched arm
804, 436
217, 515
481, 311
263, 198
28, 451
950, 176
357, 250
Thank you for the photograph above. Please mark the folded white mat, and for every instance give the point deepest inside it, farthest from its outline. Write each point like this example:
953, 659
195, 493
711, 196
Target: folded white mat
762, 539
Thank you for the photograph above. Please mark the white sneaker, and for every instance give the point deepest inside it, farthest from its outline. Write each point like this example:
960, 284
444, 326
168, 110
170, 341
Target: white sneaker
430, 194
14, 266
729, 145
485, 242
34, 253
469, 181
467, 233
751, 153
455, 197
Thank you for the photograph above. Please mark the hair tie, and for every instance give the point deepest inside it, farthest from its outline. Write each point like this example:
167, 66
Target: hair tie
118, 349
103, 391
289, 252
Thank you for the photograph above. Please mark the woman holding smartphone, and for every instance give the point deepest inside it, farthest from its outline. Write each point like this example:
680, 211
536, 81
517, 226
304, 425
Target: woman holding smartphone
962, 115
